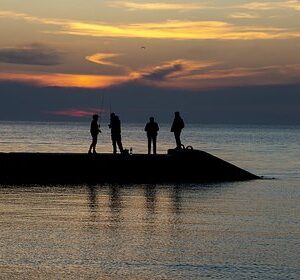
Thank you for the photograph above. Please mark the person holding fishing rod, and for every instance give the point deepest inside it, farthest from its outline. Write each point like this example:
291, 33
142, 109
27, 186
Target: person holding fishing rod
95, 130
115, 127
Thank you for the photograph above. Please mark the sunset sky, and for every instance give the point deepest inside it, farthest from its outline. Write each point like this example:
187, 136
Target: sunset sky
137, 49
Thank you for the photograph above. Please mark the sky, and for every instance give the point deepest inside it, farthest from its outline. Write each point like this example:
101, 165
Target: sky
215, 61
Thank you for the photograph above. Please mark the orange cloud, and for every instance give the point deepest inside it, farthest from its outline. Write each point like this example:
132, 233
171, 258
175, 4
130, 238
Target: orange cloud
65, 80
263, 6
30, 18
178, 74
170, 29
293, 5
156, 6
78, 113
244, 16
258, 6
100, 58
180, 30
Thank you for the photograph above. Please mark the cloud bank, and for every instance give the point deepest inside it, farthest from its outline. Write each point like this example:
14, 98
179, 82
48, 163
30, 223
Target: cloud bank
264, 6
34, 54
174, 74
169, 29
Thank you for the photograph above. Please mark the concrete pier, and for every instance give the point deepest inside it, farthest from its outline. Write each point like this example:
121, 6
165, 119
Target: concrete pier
71, 168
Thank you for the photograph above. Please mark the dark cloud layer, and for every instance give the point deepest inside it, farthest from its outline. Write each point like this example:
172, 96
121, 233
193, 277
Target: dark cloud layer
247, 105
160, 73
34, 54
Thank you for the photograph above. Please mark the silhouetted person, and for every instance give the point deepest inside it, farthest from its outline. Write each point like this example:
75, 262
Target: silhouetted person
95, 130
115, 127
177, 126
151, 128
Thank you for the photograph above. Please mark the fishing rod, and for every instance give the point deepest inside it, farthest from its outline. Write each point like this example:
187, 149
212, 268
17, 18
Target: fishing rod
101, 107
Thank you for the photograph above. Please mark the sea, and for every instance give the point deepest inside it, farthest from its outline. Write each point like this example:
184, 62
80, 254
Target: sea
235, 230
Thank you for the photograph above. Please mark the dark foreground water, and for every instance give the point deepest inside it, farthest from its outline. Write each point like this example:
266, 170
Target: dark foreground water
243, 230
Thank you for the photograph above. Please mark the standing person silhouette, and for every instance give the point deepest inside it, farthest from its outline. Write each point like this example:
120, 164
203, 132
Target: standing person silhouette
115, 127
95, 130
151, 128
176, 128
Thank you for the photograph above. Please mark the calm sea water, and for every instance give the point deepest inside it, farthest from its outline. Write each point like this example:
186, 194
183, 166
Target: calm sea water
242, 230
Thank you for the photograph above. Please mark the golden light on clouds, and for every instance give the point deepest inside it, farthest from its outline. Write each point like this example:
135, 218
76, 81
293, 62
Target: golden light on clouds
173, 67
178, 30
185, 74
258, 6
157, 6
65, 80
163, 6
244, 16
100, 58
177, 74
170, 29
263, 6
30, 18
293, 5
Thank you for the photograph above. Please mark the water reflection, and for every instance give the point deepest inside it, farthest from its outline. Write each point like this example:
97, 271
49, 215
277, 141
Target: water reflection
176, 199
115, 205
150, 199
115, 200
138, 198
92, 204
150, 231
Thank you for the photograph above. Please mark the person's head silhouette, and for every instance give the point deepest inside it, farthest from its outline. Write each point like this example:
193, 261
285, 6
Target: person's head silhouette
151, 119
95, 117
